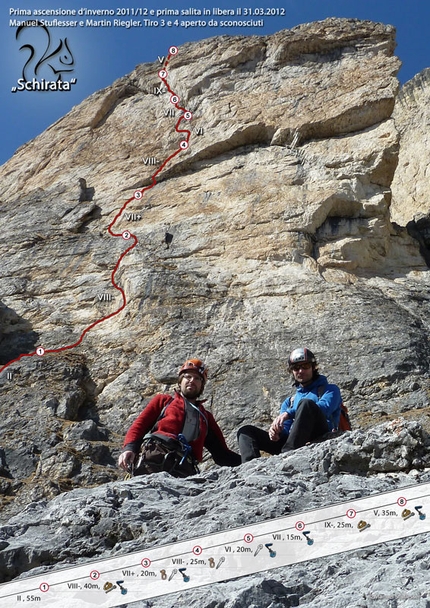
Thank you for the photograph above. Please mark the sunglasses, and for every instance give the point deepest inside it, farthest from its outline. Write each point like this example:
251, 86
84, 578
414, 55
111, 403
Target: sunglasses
297, 366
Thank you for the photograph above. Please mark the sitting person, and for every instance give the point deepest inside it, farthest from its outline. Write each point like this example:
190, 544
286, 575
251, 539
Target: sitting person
174, 430
308, 415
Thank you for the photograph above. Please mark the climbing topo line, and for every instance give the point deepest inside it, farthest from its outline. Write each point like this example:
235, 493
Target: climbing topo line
126, 234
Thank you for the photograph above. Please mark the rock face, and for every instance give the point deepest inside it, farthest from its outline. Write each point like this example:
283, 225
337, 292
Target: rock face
410, 206
274, 229
86, 526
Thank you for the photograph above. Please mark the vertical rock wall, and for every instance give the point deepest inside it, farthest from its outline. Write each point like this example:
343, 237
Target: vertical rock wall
410, 206
279, 234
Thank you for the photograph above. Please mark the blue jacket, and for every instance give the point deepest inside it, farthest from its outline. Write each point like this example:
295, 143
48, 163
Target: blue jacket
329, 402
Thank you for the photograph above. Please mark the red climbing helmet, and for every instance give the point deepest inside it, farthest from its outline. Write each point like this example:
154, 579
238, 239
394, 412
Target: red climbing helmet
195, 365
299, 355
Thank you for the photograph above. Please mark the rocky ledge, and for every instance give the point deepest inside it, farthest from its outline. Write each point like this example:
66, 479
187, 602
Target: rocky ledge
87, 525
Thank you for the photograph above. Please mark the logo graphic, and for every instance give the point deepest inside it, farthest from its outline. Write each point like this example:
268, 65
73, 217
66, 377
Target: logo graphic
47, 61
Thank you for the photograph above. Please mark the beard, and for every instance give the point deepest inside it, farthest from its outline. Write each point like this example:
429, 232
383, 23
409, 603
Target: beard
191, 392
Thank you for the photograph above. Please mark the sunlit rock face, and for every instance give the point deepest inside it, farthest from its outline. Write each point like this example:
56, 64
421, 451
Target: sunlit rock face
277, 227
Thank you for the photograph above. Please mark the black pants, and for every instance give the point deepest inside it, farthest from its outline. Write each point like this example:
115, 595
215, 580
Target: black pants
222, 457
309, 424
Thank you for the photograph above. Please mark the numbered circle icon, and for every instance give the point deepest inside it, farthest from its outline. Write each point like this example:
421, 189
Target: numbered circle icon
351, 513
40, 351
44, 587
197, 550
162, 74
300, 526
402, 502
145, 563
188, 115
183, 145
174, 99
94, 575
248, 538
173, 50
126, 235
138, 195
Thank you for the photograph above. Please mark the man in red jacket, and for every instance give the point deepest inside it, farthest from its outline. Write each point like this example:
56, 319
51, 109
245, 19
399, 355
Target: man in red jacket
174, 430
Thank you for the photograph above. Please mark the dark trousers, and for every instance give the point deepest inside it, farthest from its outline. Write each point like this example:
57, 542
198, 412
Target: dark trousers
223, 457
309, 424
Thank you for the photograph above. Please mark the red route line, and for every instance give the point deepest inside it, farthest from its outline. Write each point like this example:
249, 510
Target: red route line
127, 235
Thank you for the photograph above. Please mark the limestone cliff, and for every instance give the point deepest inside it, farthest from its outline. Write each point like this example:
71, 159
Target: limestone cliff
410, 206
272, 230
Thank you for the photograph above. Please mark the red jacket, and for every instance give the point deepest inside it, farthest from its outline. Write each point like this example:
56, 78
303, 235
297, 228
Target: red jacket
171, 424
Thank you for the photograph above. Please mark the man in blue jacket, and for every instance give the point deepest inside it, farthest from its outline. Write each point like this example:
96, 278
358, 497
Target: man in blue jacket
306, 416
